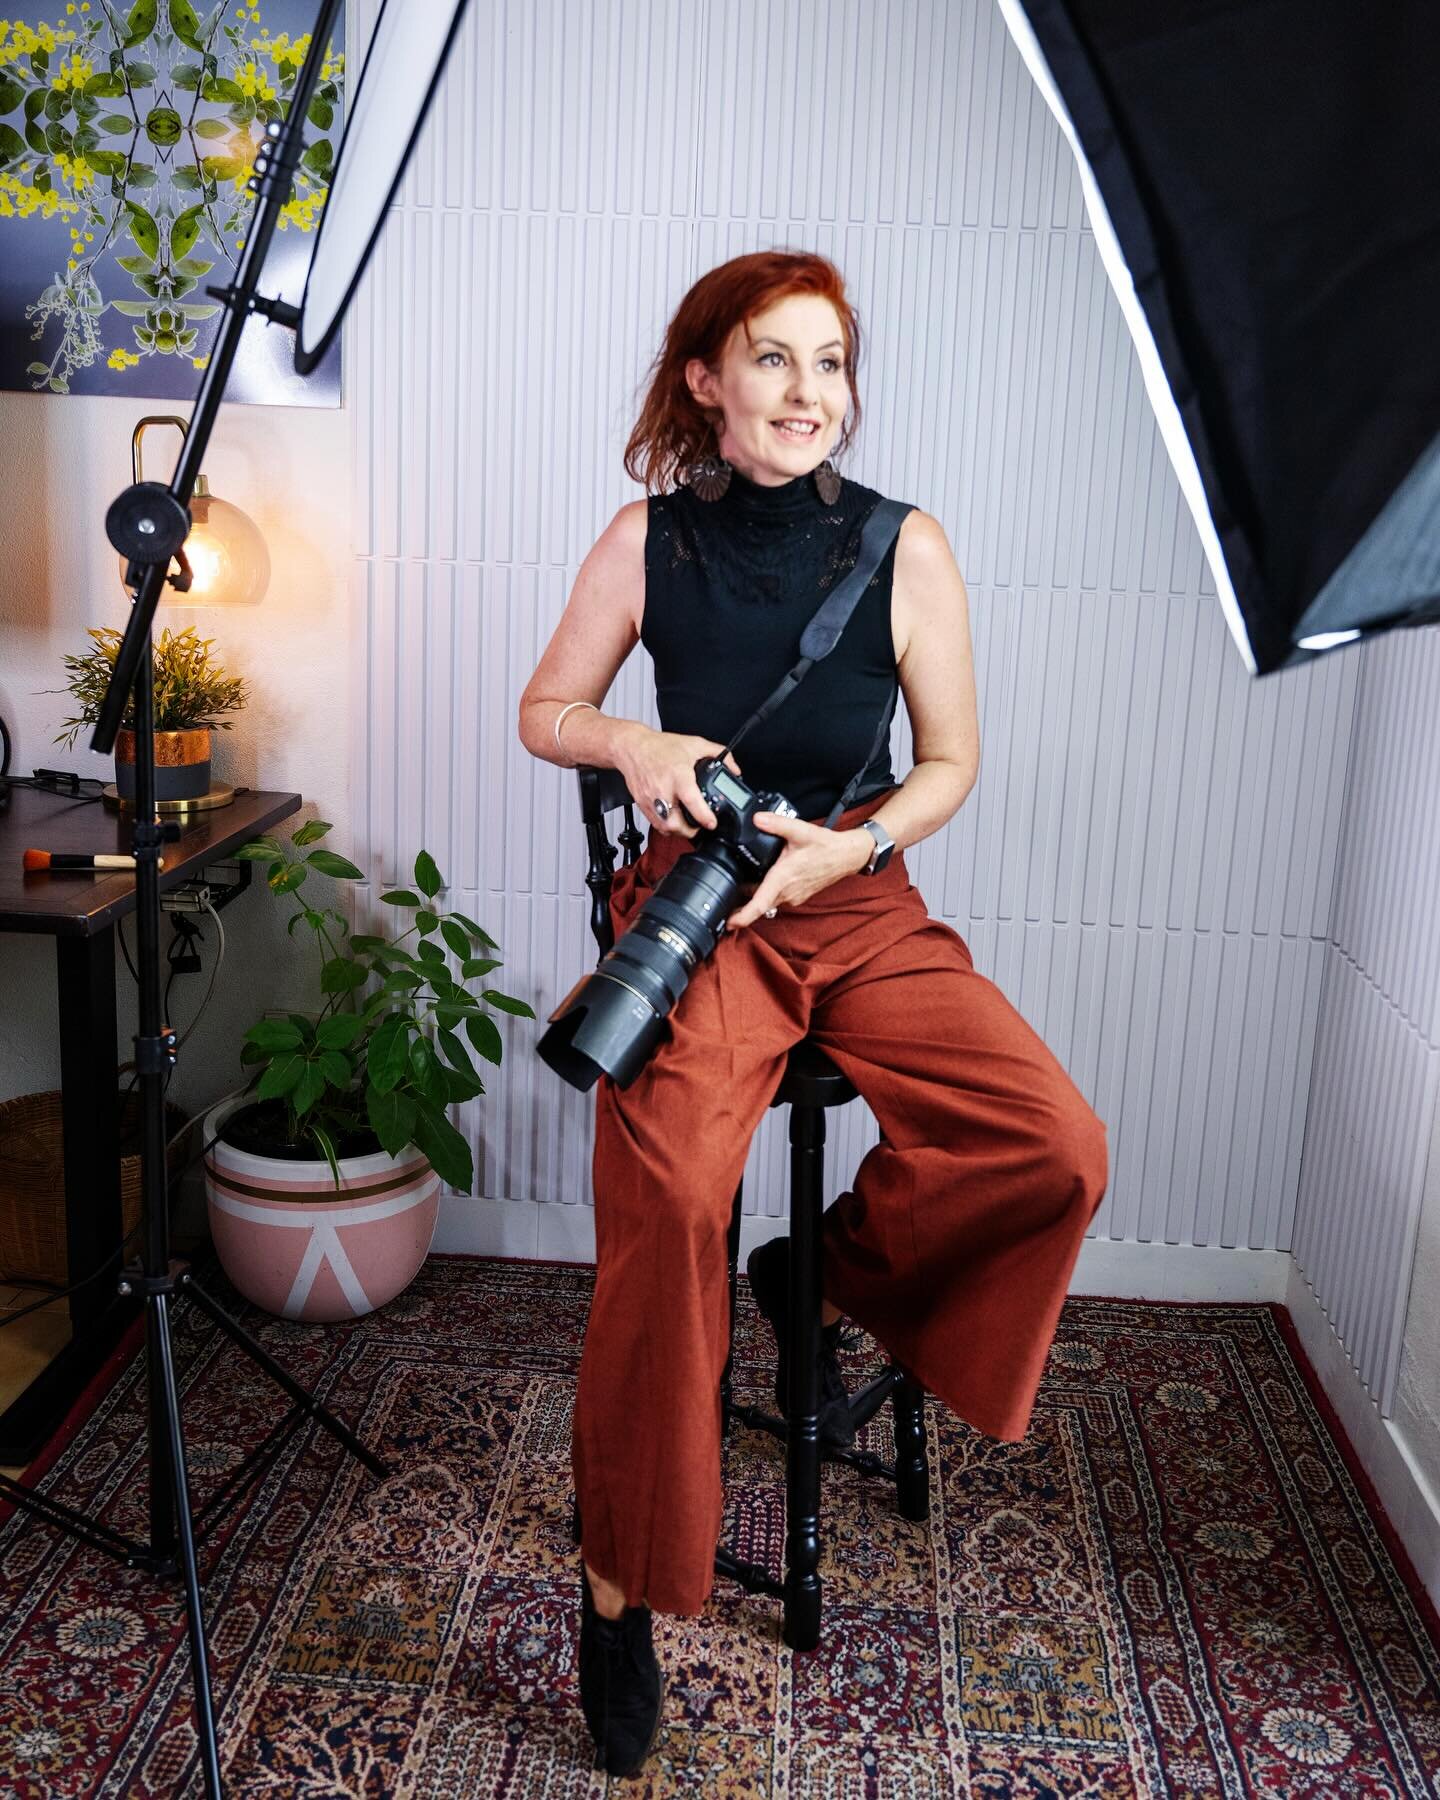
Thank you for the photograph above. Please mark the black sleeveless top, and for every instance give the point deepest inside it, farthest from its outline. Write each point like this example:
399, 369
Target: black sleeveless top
730, 585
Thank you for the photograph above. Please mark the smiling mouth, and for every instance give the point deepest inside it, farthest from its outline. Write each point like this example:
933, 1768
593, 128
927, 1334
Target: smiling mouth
796, 437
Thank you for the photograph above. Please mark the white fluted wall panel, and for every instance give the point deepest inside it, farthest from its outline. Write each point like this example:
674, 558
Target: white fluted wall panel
1377, 1061
1154, 906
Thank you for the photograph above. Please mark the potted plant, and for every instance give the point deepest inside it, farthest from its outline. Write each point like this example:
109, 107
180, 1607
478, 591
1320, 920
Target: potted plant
191, 694
323, 1181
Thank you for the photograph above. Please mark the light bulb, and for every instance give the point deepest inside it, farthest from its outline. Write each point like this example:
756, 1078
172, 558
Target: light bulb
229, 564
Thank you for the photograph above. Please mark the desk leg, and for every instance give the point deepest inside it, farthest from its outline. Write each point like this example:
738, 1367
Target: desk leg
91, 1116
90, 1130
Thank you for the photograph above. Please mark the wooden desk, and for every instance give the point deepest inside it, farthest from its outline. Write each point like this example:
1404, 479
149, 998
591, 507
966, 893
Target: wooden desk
81, 912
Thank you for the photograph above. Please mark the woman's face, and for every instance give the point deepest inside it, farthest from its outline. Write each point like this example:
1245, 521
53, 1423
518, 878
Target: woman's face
792, 367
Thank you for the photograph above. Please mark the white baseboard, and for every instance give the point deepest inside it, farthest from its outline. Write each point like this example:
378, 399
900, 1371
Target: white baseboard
1410, 1501
1127, 1270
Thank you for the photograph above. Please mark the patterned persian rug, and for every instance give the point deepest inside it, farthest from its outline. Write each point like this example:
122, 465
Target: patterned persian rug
1173, 1587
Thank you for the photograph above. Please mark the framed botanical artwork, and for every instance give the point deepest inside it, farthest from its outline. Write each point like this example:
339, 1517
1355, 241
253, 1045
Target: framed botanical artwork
127, 136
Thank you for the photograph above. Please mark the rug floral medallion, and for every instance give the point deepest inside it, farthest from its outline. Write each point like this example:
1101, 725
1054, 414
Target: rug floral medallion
1172, 1587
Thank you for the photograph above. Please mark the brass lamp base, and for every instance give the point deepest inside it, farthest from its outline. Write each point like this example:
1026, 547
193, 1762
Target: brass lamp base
221, 794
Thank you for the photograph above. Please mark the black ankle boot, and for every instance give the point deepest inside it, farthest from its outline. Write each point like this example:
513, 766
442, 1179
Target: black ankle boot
621, 1691
769, 1270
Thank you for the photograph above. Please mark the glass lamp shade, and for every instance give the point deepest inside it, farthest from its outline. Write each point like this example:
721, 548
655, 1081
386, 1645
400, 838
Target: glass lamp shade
228, 560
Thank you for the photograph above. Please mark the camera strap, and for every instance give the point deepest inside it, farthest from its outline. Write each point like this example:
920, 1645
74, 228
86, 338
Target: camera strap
823, 633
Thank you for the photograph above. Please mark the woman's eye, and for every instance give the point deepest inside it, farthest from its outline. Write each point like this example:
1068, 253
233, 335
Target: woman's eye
833, 361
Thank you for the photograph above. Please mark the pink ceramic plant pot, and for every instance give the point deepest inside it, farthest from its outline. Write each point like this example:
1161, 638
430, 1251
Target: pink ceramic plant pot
293, 1244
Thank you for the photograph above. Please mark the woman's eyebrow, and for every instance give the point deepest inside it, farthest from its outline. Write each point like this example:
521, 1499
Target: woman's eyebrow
834, 344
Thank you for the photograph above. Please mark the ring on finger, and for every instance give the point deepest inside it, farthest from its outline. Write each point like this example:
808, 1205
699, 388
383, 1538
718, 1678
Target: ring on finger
771, 911
662, 808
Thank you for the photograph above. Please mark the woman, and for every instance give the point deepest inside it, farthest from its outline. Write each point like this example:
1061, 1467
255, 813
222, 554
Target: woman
956, 1245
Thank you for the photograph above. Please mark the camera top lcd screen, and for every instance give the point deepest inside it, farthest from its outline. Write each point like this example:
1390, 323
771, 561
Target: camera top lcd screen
732, 790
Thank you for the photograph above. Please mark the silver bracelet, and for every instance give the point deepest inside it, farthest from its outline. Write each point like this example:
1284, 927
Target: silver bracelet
560, 716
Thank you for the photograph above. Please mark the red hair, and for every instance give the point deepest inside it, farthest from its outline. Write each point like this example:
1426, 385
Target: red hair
673, 428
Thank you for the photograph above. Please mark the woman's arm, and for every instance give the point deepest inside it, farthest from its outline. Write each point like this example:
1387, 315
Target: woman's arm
597, 631
932, 626
937, 677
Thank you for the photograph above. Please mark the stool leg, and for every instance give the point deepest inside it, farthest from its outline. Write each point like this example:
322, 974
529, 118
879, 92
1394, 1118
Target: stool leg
912, 1465
802, 1447
732, 1248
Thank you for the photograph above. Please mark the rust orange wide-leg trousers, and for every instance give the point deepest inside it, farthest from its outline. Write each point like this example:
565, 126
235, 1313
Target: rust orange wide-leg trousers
955, 1246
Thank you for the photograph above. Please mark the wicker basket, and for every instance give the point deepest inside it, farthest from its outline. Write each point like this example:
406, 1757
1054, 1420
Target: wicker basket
32, 1183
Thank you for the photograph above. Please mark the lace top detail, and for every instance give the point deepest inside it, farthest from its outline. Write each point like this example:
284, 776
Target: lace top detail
730, 585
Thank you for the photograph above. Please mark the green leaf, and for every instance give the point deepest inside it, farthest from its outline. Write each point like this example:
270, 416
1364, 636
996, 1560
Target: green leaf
187, 77
287, 879
222, 168
11, 142
400, 979
482, 937
430, 953
484, 1034
194, 265
323, 1139
427, 876
474, 967
370, 946
460, 1088
221, 88
311, 831
107, 162
140, 22
263, 849
455, 937
185, 230
252, 1053
342, 976
318, 158
308, 1088
321, 113
392, 1119
388, 1054
273, 1034
211, 128
141, 175
306, 1027
105, 86
11, 93
140, 74
281, 1076
422, 1060
136, 265
339, 868
426, 921
116, 123
143, 229
505, 1003
339, 1031
400, 897
456, 1052
185, 23
336, 1067
445, 1149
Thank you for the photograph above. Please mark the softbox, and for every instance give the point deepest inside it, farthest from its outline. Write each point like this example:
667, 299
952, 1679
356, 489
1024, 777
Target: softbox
1264, 184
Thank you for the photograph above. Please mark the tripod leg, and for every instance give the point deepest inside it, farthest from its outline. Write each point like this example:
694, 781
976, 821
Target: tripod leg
301, 1396
162, 1472
199, 1658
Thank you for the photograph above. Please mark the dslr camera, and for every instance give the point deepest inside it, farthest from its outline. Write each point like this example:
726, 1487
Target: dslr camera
612, 1019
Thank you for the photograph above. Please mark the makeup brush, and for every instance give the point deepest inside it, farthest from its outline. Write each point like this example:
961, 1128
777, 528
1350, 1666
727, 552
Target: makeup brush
90, 862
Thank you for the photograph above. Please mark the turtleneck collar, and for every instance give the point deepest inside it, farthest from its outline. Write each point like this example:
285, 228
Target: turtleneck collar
747, 499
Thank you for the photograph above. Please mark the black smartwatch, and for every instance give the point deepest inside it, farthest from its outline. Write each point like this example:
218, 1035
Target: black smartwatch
884, 847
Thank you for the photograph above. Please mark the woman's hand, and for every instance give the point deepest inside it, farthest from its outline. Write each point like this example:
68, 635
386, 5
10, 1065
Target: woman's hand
812, 859
660, 765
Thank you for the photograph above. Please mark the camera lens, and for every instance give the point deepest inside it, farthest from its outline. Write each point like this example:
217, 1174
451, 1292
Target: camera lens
611, 1022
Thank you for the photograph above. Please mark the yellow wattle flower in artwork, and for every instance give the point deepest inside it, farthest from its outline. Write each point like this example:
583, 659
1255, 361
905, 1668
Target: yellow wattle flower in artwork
121, 359
19, 200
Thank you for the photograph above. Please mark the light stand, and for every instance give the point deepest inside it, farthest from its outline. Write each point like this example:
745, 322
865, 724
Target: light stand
148, 525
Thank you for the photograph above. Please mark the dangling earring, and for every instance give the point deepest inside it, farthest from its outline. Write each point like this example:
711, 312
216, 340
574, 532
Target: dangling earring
828, 482
709, 476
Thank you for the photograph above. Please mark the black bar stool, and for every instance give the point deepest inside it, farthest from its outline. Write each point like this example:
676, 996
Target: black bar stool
811, 1084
